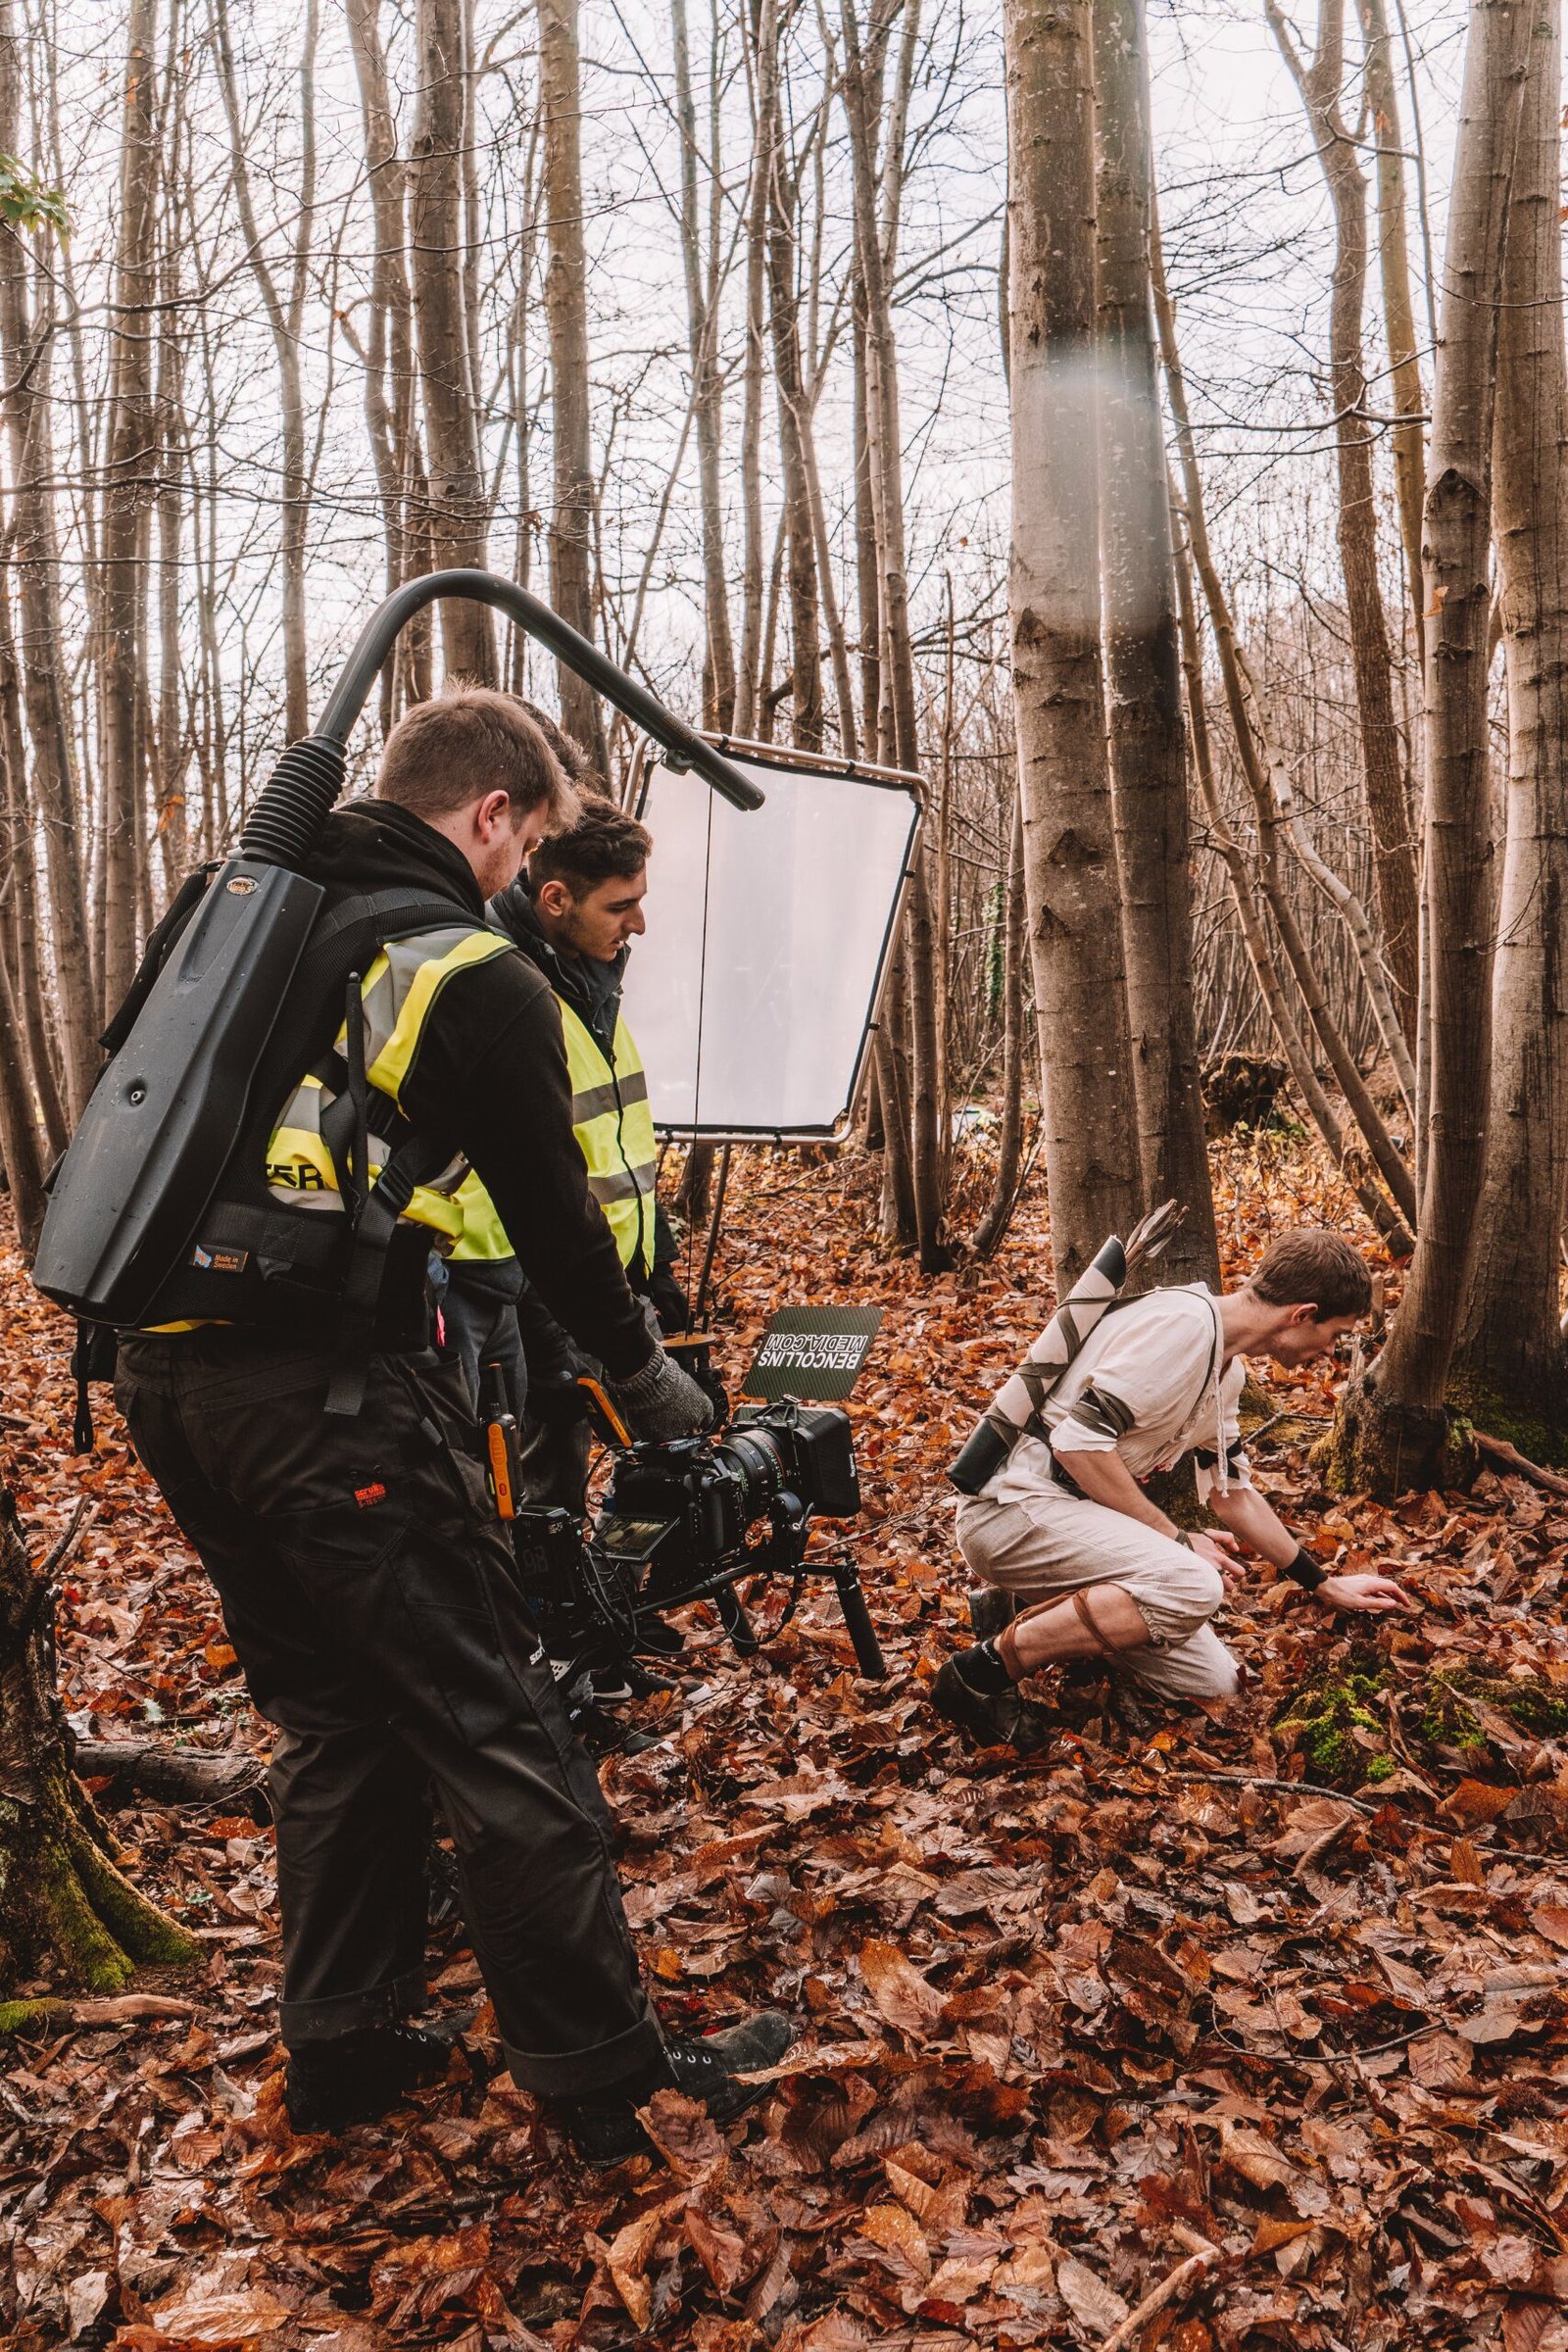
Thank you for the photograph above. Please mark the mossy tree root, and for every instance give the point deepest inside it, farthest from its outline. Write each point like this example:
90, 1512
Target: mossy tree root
1385, 1449
66, 1912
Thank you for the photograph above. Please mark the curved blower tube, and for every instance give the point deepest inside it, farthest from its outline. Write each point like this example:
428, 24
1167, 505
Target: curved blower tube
295, 803
149, 1151
287, 820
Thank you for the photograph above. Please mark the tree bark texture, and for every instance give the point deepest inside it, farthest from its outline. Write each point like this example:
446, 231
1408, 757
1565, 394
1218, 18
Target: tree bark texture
1512, 1336
1092, 1171
285, 316
128, 492
34, 554
571, 523
1142, 664
703, 290
66, 1911
1394, 851
1407, 438
391, 380
1241, 705
1411, 1375
458, 504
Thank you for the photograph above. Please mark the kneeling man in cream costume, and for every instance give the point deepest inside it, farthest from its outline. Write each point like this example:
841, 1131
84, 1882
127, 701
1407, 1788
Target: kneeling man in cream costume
1065, 1529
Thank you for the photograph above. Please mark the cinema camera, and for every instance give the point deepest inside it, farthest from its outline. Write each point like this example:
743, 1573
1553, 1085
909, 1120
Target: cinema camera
698, 1518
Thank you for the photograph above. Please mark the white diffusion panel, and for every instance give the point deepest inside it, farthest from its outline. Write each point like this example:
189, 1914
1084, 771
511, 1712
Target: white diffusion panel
751, 995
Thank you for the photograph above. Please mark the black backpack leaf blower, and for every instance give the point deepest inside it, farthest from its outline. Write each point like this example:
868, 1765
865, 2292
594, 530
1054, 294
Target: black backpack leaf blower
128, 1198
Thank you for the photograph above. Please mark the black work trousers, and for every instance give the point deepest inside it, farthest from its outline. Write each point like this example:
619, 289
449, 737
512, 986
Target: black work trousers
367, 1588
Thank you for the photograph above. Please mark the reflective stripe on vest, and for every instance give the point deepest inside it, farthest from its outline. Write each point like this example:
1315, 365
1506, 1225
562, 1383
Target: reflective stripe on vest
397, 992
615, 1129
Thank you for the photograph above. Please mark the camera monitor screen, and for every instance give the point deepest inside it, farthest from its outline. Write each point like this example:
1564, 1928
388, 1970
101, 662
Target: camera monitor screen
752, 994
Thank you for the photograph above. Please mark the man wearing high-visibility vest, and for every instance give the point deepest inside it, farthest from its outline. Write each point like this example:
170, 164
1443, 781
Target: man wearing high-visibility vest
575, 915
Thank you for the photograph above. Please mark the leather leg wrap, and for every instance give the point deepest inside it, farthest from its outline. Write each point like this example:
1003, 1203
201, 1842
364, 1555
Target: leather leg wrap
1086, 1618
1006, 1642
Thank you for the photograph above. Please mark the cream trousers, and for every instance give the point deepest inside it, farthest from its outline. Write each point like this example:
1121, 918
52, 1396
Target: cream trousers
1057, 1543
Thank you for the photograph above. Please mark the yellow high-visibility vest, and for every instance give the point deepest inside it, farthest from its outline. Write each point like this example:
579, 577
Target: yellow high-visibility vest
614, 1130
398, 991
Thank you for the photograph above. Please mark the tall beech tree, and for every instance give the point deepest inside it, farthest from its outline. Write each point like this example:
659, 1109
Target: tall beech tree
442, 288
1393, 1427
1320, 80
1143, 661
1092, 1169
1513, 1340
571, 523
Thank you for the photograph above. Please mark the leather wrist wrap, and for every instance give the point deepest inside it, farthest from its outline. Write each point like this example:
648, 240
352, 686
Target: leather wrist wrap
1304, 1571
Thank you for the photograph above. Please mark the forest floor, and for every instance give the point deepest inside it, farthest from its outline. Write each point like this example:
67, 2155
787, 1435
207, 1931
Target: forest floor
1139, 2019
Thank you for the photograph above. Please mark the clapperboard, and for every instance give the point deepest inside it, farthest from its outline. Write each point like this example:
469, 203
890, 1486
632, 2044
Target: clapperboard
812, 1352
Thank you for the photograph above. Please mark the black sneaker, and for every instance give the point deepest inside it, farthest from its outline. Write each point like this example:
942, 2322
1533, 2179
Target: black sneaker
357, 2077
990, 1609
995, 1718
603, 2129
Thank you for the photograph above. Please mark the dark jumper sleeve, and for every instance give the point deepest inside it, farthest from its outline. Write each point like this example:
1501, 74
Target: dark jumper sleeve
491, 1072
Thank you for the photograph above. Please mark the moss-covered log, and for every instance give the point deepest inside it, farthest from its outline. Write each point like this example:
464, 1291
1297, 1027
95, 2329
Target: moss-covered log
66, 1912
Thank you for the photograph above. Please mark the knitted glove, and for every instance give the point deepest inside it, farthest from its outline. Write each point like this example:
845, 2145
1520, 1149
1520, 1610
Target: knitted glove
663, 1402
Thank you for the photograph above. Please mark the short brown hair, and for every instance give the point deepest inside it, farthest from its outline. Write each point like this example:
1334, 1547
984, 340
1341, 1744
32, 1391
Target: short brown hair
571, 757
471, 740
605, 844
1312, 1268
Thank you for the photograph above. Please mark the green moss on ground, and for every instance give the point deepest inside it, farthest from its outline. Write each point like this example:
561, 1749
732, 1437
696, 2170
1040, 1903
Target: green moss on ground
1326, 1715
1538, 1708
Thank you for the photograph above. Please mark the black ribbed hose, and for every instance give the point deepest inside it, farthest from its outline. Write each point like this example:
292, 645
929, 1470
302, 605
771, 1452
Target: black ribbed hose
295, 803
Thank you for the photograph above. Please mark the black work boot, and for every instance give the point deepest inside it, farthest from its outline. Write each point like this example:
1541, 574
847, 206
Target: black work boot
357, 2077
603, 2129
991, 1712
990, 1609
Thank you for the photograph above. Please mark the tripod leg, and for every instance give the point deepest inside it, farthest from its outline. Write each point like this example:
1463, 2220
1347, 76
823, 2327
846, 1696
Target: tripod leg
733, 1618
857, 1617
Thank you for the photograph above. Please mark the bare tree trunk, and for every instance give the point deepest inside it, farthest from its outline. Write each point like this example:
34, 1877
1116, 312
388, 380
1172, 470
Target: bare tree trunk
751, 681
285, 315
1254, 937
1142, 667
30, 987
704, 285
571, 527
993, 1225
457, 503
1391, 1428
1092, 1169
387, 358
1240, 701
1393, 854
44, 670
1512, 1339
1399, 309
128, 474
867, 598
805, 688
875, 237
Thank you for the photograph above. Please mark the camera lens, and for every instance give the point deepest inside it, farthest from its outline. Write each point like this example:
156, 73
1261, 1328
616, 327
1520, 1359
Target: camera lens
756, 1461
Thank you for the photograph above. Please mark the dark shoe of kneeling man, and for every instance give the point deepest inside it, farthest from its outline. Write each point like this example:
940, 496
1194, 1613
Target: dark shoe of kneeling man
990, 1609
976, 1691
604, 2128
357, 2077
